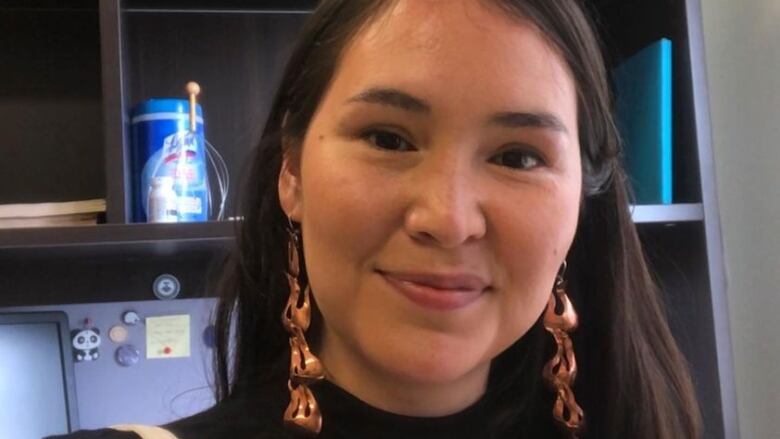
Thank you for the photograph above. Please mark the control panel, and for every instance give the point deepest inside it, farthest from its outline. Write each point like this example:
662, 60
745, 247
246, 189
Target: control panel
146, 362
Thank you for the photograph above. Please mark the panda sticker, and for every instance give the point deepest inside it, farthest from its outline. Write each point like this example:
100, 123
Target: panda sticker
85, 344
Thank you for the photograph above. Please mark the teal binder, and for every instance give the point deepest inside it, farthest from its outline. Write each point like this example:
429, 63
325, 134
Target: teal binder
643, 84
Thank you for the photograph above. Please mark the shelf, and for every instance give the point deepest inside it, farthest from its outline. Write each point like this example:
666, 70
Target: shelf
50, 102
667, 213
117, 239
216, 11
49, 5
221, 7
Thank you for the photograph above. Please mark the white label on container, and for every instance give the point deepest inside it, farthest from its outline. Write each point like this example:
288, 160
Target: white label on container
190, 205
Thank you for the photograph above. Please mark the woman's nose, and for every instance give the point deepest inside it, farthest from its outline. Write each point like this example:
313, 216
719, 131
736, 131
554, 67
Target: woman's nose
445, 208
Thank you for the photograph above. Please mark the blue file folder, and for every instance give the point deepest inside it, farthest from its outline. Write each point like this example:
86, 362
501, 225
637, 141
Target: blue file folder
643, 84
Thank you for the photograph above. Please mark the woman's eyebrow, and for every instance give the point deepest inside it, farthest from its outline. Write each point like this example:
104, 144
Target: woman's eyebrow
529, 119
393, 98
404, 101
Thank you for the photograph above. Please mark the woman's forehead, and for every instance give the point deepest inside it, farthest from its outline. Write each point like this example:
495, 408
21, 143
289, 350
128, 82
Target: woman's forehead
423, 17
434, 26
457, 47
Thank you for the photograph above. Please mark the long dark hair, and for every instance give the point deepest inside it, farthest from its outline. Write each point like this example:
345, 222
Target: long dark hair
632, 381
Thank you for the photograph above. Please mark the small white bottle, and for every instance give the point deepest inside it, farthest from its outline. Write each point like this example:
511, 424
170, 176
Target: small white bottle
163, 201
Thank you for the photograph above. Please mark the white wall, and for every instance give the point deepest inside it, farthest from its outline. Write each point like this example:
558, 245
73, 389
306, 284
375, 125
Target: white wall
742, 39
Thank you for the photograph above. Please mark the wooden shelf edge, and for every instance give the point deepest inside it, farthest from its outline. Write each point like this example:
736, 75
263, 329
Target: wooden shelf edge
105, 239
241, 7
216, 11
667, 213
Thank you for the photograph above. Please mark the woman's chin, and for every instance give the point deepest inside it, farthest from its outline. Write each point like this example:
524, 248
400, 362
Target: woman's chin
431, 364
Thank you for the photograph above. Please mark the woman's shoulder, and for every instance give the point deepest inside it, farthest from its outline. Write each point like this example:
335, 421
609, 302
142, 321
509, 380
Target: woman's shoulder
236, 418
219, 422
103, 433
255, 415
127, 431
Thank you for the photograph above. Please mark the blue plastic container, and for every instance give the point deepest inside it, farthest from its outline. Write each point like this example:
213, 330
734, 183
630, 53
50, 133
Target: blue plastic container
163, 145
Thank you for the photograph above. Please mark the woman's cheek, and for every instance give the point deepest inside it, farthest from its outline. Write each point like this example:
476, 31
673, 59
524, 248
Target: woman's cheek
348, 202
531, 242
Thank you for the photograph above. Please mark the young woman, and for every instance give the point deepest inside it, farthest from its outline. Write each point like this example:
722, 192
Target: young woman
436, 191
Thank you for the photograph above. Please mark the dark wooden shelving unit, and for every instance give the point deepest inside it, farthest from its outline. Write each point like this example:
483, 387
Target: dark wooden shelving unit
73, 70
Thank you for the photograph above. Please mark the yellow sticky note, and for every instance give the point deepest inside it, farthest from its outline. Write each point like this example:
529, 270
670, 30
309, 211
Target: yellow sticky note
168, 336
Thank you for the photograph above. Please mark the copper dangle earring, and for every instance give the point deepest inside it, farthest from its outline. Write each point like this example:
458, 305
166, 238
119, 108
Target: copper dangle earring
561, 370
302, 414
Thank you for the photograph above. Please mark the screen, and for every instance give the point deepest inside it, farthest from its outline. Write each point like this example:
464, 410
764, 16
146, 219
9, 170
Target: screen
35, 376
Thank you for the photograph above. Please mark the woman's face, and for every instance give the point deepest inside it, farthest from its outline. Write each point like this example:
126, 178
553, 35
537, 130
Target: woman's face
438, 190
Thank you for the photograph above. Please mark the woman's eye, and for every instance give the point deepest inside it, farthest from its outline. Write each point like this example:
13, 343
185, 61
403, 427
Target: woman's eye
518, 159
387, 140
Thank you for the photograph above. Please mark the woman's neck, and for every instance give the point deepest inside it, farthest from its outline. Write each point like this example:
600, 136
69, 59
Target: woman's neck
371, 384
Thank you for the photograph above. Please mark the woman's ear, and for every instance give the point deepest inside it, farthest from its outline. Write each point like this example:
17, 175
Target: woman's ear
290, 185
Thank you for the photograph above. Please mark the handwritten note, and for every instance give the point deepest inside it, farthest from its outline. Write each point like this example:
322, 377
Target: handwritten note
168, 336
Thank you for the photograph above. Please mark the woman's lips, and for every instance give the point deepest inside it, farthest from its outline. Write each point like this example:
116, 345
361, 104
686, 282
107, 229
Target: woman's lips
437, 291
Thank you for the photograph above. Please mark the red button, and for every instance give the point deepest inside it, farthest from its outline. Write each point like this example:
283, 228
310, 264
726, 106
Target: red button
167, 350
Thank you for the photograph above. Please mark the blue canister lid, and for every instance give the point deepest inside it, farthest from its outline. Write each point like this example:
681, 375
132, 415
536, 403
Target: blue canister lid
165, 105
